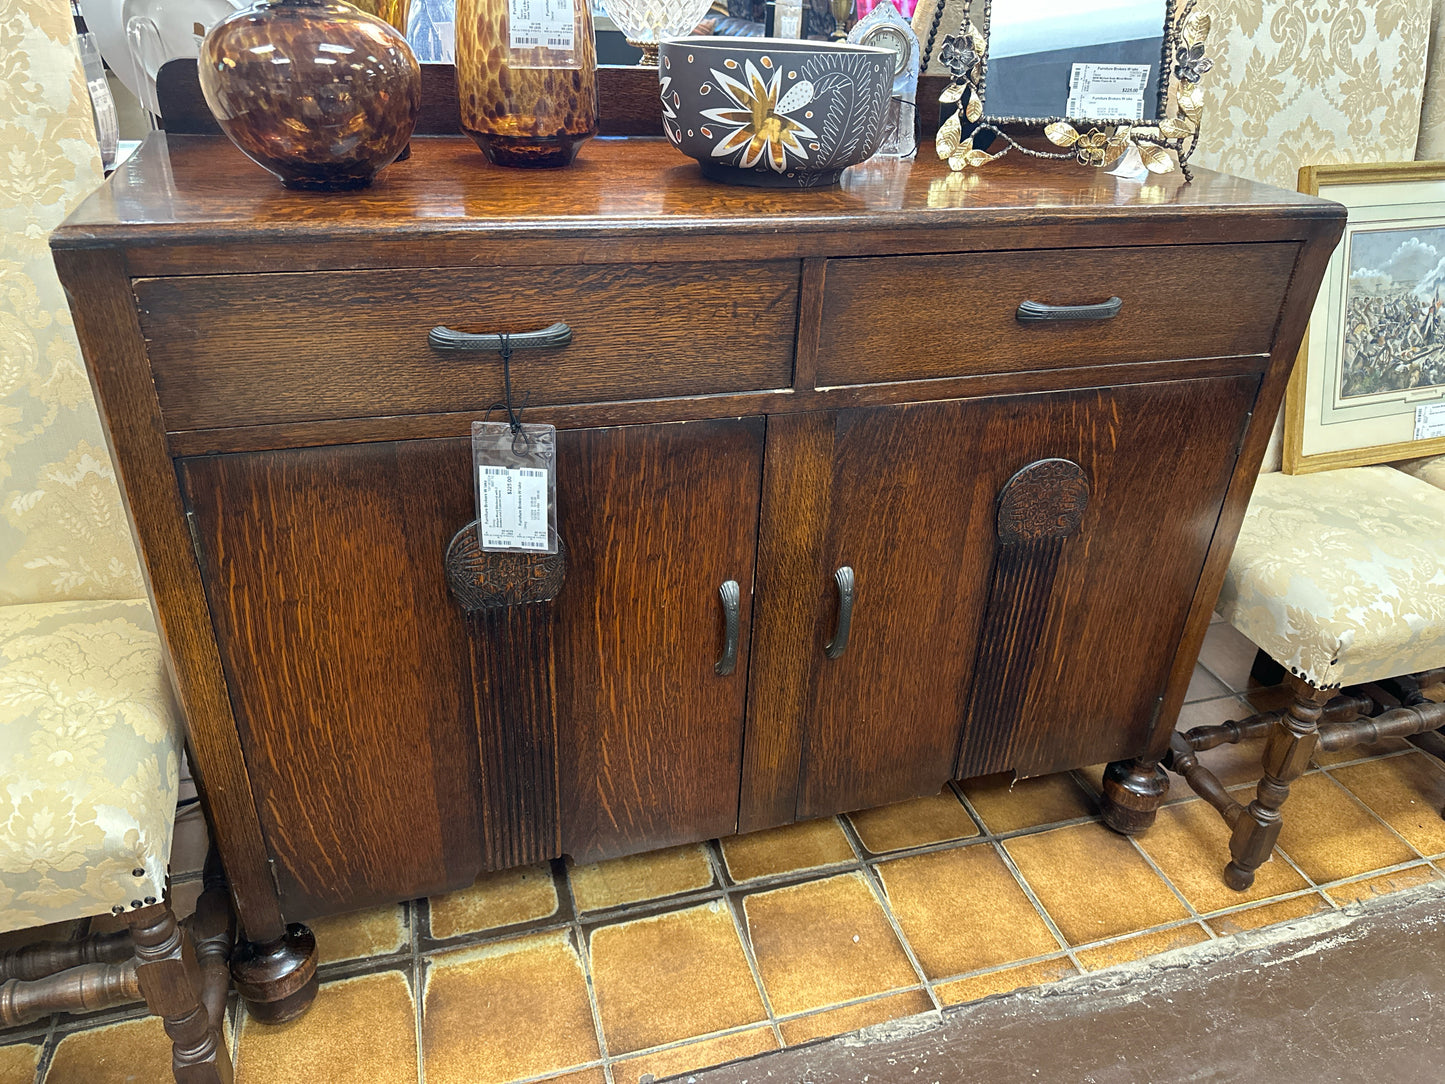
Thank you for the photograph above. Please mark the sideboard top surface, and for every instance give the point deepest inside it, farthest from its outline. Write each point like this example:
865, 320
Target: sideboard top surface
191, 190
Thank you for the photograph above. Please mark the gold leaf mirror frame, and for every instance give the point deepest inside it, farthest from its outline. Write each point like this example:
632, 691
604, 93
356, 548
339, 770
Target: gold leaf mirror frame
1163, 145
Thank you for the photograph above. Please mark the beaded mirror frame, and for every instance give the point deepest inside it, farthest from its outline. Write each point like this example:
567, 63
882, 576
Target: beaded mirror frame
1163, 145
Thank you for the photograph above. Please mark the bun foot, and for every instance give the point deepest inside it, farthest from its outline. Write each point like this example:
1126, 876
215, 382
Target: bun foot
1133, 792
277, 979
1237, 877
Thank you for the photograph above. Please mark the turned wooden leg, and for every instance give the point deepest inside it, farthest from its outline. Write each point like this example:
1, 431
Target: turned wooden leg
277, 978
1291, 744
1133, 792
173, 986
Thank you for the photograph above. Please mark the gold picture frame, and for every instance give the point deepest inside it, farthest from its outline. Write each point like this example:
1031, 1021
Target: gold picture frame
1163, 144
1374, 352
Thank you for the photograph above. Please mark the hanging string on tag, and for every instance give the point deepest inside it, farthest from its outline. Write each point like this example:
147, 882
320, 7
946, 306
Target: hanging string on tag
521, 442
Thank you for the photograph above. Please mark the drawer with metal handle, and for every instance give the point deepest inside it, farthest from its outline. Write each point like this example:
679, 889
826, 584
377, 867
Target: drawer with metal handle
229, 350
895, 318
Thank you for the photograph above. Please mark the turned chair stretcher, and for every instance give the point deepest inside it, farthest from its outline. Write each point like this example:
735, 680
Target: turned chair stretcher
181, 970
1339, 579
1315, 720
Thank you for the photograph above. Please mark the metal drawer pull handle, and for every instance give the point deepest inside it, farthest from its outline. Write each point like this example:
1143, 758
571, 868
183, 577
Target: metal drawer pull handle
731, 602
839, 643
1034, 311
444, 338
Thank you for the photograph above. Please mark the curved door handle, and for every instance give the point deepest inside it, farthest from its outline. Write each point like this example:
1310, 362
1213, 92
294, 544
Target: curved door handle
1031, 312
731, 603
846, 591
445, 338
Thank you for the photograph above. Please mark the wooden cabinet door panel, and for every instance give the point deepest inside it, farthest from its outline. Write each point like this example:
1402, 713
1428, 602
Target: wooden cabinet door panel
657, 517
908, 497
349, 663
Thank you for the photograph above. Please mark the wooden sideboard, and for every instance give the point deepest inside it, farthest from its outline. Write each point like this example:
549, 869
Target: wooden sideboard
763, 386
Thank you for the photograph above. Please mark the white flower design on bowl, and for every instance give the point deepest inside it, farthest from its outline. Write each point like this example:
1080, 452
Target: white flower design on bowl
758, 124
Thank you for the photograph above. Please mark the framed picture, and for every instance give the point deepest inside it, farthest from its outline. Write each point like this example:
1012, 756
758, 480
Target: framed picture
1369, 384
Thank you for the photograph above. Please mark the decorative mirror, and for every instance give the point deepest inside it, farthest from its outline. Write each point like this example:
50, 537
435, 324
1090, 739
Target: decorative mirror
1111, 82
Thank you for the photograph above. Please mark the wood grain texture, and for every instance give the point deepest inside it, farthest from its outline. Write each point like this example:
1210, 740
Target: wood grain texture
1125, 584
249, 349
701, 407
1038, 509
353, 680
657, 518
110, 338
347, 661
910, 505
640, 201
1308, 272
797, 486
881, 319
280, 333
514, 678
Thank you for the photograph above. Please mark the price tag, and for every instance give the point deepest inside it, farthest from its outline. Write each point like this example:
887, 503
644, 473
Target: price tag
1430, 421
514, 508
516, 486
1107, 90
540, 24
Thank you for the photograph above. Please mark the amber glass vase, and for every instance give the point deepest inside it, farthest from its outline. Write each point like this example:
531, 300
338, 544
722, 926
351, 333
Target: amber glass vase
317, 92
526, 106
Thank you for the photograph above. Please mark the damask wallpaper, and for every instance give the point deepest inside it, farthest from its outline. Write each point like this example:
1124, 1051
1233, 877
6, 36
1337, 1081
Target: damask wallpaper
1432, 112
1312, 82
63, 533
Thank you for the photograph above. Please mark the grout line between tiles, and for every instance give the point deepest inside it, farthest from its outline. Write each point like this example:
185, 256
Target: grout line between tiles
411, 911
1027, 961
874, 881
1189, 907
584, 949
740, 923
1361, 803
679, 1044
1399, 867
47, 1051
553, 1074
733, 901
1028, 891
1283, 897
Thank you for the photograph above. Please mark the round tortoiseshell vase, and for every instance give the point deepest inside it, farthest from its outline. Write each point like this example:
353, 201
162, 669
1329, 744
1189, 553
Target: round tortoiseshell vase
317, 92
520, 108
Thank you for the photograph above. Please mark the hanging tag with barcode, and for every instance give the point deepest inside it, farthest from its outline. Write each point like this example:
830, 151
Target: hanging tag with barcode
516, 485
541, 34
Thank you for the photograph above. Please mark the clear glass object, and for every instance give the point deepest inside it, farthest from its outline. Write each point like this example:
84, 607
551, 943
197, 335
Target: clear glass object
527, 79
644, 23
886, 28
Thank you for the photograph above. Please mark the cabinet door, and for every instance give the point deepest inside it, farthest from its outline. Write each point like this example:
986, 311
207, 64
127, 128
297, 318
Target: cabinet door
1069, 660
352, 671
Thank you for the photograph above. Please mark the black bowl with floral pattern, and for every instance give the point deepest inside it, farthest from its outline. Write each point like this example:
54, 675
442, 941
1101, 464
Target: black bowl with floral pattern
774, 112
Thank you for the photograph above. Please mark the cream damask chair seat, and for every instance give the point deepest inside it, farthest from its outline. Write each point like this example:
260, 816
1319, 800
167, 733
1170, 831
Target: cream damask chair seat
1340, 578
89, 761
90, 740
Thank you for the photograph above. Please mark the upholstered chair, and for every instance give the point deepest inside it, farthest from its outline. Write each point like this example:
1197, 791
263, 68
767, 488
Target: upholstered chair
1339, 578
1430, 468
90, 740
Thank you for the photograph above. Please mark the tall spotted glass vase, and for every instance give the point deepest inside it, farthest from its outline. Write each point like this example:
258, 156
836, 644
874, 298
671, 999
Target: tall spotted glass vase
527, 79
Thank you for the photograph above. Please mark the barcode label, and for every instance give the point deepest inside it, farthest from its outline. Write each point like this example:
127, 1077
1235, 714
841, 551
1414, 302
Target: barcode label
536, 24
514, 508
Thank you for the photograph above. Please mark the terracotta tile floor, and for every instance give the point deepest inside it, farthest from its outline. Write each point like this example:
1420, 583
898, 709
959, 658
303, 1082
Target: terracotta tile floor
674, 961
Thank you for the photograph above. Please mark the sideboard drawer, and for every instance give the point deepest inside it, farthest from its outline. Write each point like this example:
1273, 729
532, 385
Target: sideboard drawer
252, 349
889, 318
